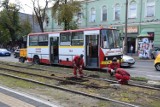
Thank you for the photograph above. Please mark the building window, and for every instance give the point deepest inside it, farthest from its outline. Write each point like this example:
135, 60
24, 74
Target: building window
132, 10
150, 8
79, 17
93, 15
58, 23
104, 13
47, 20
117, 12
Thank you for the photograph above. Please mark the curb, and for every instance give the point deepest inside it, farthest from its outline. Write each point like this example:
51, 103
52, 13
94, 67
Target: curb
138, 59
149, 60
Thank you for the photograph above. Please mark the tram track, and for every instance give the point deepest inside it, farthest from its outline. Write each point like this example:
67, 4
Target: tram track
101, 79
62, 79
63, 88
58, 78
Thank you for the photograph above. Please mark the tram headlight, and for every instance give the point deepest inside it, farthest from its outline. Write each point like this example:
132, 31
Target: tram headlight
106, 58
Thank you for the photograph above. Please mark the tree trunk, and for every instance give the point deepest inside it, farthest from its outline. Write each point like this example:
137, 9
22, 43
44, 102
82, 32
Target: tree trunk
65, 22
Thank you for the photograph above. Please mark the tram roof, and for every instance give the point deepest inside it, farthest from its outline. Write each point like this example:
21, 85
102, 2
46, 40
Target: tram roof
76, 30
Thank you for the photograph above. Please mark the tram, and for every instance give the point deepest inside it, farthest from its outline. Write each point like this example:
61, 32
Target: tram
98, 45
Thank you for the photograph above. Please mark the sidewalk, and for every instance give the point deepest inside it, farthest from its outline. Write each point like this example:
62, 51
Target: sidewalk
135, 56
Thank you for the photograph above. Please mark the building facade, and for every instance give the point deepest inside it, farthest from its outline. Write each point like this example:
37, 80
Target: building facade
143, 22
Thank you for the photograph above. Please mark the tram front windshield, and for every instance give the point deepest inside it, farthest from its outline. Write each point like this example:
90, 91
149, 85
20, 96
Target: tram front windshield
110, 39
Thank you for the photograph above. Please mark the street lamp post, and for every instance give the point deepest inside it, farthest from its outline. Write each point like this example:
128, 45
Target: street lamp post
125, 38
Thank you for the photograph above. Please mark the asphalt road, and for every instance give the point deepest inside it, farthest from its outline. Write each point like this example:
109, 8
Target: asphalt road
142, 68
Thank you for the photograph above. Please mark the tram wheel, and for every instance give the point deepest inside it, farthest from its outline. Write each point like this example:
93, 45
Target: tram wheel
21, 59
36, 60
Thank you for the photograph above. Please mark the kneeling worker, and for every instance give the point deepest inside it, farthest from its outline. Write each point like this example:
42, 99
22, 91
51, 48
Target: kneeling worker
120, 74
78, 65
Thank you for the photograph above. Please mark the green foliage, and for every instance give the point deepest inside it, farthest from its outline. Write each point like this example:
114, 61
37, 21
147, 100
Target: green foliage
26, 28
10, 27
73, 25
4, 36
64, 12
9, 20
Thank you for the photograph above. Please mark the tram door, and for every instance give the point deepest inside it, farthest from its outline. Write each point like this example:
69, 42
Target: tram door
92, 51
54, 50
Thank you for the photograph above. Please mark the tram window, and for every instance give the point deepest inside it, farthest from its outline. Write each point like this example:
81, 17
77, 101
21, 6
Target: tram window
104, 39
117, 38
33, 40
43, 40
65, 38
77, 38
111, 39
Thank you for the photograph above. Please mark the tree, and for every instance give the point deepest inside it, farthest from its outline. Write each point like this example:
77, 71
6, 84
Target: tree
9, 20
4, 36
12, 28
63, 11
40, 12
26, 28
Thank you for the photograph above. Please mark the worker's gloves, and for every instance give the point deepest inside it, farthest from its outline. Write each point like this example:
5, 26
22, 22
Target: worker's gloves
80, 68
112, 72
74, 65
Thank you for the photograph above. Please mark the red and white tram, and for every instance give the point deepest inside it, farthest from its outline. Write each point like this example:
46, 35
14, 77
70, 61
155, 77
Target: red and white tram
98, 45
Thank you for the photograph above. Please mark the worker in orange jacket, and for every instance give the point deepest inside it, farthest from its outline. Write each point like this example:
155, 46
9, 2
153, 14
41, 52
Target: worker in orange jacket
113, 66
78, 65
120, 74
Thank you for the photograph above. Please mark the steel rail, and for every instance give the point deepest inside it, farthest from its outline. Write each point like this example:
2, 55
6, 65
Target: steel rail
68, 90
49, 77
108, 80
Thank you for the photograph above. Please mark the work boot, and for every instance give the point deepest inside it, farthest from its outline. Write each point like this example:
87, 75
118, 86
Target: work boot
81, 76
75, 76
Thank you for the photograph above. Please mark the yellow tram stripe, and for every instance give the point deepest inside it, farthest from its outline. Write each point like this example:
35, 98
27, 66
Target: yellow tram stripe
71, 46
38, 47
109, 62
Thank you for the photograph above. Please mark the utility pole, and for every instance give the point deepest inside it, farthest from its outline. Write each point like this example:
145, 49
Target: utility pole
125, 38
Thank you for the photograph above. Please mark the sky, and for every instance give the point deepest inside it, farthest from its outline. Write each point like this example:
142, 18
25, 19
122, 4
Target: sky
27, 5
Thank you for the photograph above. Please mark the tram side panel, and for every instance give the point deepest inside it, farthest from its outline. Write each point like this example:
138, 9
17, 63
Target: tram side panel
41, 52
67, 53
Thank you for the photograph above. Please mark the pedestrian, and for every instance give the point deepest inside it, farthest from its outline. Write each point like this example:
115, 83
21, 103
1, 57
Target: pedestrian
78, 64
131, 49
120, 74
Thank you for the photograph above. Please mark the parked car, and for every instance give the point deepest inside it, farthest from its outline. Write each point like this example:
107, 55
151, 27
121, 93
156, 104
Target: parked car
127, 61
4, 52
16, 53
157, 63
155, 52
